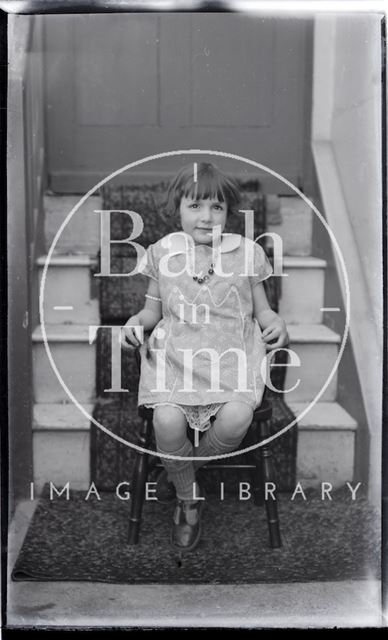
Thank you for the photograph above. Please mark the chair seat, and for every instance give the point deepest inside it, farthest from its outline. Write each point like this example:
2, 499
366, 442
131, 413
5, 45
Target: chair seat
145, 413
262, 413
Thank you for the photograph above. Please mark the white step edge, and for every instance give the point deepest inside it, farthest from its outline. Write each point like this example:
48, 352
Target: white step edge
73, 260
328, 416
312, 333
62, 333
299, 334
82, 259
323, 416
60, 417
303, 262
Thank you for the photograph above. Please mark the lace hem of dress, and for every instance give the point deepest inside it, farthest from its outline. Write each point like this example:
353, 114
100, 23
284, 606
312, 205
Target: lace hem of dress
198, 416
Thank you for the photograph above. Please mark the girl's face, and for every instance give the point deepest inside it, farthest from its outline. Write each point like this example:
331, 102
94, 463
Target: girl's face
198, 217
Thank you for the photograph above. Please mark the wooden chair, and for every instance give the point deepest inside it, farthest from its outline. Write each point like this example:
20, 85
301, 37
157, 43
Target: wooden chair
261, 467
120, 298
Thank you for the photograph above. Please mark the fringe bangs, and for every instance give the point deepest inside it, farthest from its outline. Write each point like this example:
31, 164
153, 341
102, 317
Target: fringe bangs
207, 182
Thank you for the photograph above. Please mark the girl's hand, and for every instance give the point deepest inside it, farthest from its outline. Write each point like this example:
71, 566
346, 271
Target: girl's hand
131, 335
276, 335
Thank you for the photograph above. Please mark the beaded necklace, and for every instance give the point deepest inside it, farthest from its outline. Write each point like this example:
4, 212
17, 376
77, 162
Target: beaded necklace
199, 277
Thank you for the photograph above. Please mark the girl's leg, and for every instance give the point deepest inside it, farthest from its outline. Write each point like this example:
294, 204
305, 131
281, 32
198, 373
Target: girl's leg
170, 427
228, 430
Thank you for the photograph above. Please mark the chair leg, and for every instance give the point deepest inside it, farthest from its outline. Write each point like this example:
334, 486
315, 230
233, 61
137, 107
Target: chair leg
267, 476
256, 483
139, 480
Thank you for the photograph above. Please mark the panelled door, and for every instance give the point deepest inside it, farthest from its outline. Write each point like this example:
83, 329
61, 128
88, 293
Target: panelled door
120, 87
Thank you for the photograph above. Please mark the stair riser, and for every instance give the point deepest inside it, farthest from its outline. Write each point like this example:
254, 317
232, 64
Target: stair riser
325, 456
76, 363
82, 233
61, 457
317, 361
301, 299
295, 228
302, 295
69, 286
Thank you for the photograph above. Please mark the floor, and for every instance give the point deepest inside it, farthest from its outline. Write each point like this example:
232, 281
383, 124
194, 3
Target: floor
84, 604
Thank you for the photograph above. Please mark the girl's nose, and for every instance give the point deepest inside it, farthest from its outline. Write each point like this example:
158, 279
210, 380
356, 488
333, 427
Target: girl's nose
206, 212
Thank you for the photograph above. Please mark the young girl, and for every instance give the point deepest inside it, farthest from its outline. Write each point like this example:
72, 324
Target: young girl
201, 365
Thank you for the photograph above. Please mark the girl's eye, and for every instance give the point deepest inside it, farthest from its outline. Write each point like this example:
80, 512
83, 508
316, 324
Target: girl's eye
193, 205
219, 207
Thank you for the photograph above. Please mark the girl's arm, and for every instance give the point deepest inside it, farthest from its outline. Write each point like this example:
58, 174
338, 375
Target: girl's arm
147, 318
274, 327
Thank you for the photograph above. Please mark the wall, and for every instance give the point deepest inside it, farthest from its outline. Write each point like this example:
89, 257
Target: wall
349, 394
26, 182
347, 150
356, 140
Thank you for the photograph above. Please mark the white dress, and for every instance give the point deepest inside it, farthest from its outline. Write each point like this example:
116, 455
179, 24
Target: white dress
207, 349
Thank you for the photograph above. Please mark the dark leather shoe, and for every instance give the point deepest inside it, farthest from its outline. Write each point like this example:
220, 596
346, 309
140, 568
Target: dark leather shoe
165, 490
187, 527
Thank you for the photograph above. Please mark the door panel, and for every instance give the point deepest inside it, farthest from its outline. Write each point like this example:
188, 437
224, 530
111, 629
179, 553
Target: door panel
232, 71
116, 69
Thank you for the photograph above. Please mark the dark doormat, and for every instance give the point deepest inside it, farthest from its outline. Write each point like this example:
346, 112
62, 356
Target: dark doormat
86, 540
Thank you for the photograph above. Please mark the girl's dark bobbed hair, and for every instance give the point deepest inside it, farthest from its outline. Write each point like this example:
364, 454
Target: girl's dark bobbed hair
201, 181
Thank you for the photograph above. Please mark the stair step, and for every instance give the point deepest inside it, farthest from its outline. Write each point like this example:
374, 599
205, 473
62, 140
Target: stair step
302, 295
74, 358
70, 293
326, 444
68, 260
62, 333
296, 226
317, 347
61, 417
82, 233
303, 262
313, 333
61, 457
61, 445
328, 416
